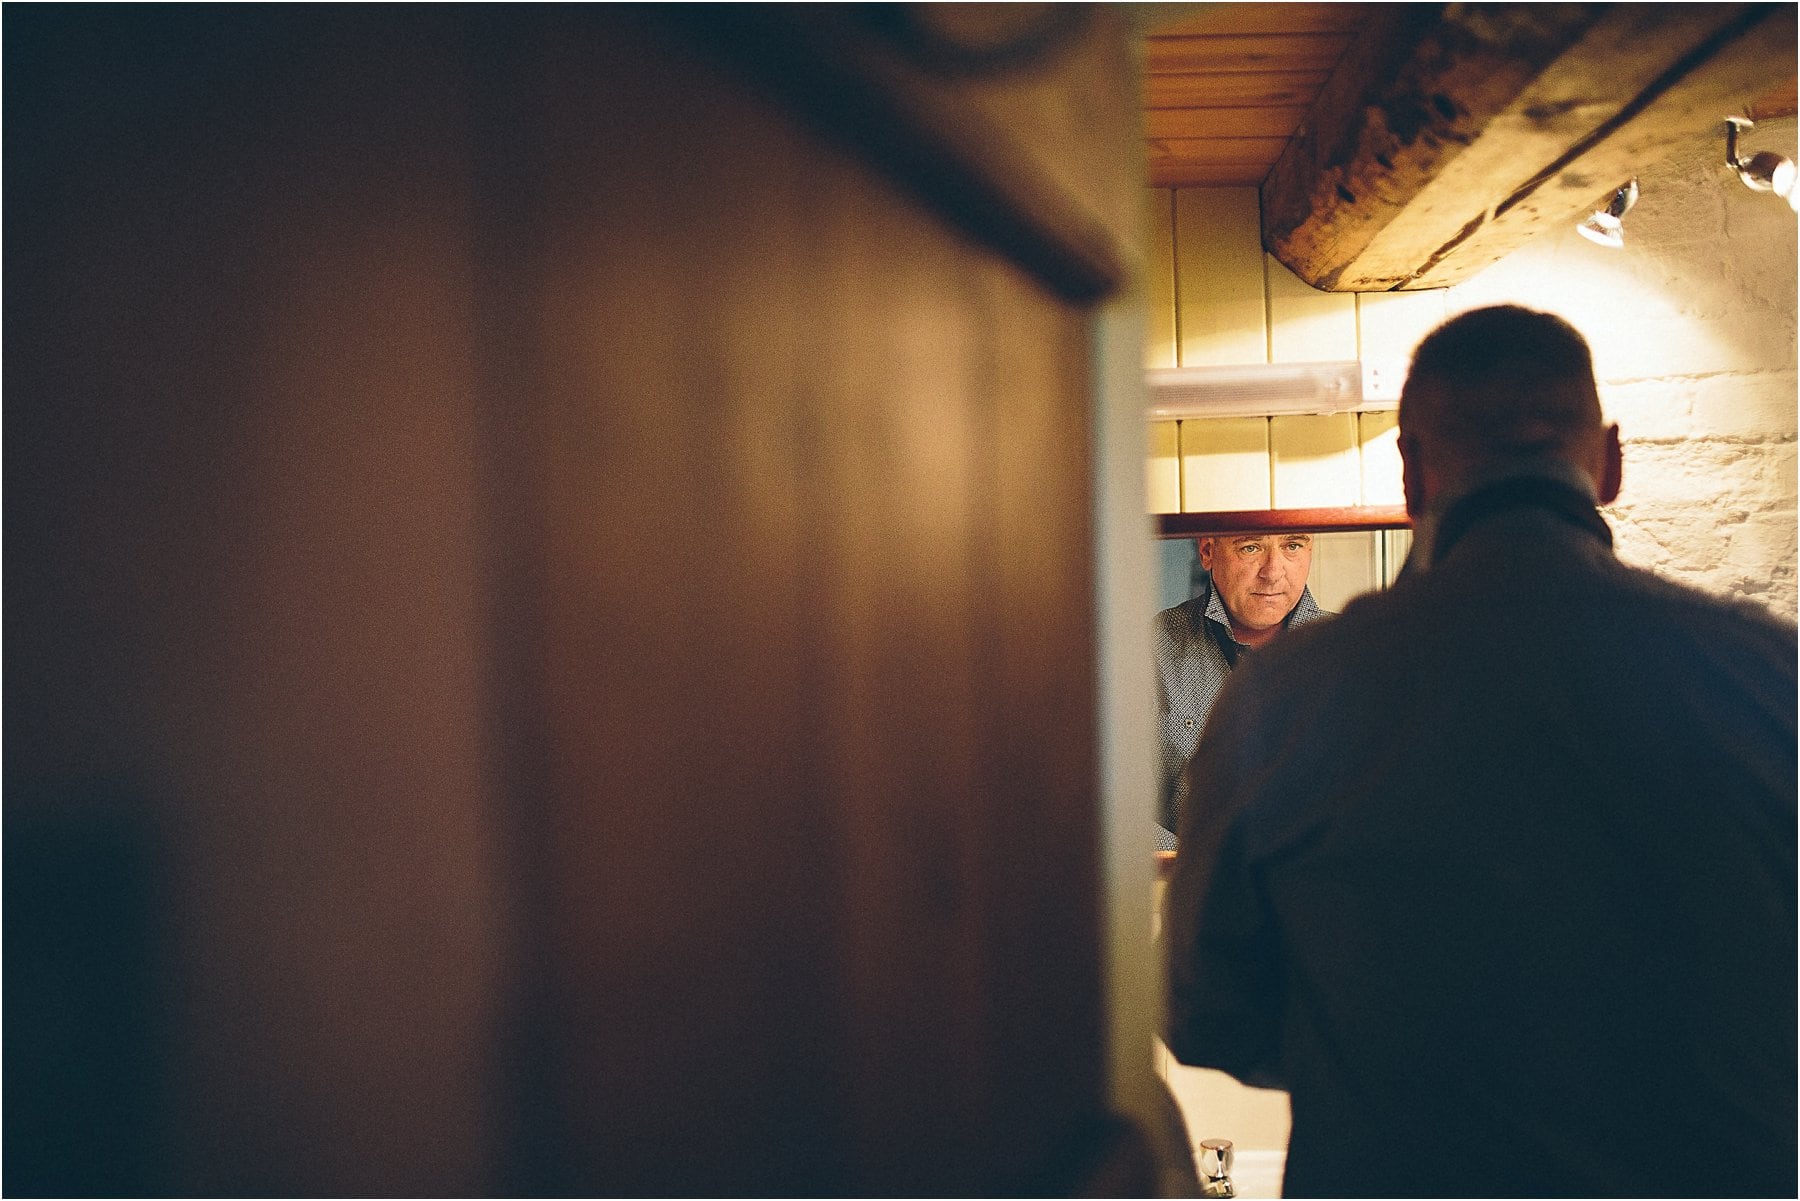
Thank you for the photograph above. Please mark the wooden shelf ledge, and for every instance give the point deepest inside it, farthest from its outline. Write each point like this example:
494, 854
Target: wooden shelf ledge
1254, 521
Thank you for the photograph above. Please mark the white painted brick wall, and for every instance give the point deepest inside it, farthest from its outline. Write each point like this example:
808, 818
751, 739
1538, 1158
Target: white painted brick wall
1693, 330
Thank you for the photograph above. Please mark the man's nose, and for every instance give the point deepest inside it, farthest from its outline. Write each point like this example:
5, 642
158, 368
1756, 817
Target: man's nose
1271, 568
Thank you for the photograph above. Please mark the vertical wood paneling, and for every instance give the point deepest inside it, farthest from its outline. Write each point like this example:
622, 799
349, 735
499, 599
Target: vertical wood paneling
1222, 302
1225, 464
1305, 324
1314, 461
1378, 435
1159, 279
1163, 469
825, 875
1219, 277
1390, 324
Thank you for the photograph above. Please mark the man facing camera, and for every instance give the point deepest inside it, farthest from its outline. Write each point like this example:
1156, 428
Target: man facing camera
1256, 588
1496, 870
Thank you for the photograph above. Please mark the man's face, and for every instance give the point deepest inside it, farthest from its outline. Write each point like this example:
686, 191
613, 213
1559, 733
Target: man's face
1259, 576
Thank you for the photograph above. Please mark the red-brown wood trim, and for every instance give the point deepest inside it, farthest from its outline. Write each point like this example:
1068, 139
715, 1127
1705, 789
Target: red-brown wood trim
1317, 521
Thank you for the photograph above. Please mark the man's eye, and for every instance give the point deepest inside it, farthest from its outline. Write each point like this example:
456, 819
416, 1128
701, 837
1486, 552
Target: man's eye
1250, 548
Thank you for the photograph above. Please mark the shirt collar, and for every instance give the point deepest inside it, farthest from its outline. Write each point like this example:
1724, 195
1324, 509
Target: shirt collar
1306, 609
1542, 467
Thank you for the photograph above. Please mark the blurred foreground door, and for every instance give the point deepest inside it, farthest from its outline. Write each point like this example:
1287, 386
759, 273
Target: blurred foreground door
556, 545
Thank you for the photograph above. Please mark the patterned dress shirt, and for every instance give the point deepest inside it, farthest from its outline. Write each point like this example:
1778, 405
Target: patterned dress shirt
1194, 653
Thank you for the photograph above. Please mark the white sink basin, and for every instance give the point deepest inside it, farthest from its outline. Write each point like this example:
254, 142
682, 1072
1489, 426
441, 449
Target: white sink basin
1257, 1173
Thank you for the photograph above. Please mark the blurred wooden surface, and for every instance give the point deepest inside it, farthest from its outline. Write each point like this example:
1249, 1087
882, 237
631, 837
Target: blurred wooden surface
377, 380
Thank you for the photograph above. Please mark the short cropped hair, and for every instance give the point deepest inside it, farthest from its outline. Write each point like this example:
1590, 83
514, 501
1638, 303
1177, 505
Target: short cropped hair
1502, 381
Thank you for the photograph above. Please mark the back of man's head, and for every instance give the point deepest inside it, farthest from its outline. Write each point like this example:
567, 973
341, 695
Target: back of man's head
1502, 384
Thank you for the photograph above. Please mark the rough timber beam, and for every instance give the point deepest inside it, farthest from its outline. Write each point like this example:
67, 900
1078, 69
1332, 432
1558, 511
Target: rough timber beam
1450, 134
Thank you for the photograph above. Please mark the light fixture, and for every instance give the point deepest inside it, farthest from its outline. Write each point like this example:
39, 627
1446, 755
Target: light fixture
1764, 171
1272, 389
1607, 226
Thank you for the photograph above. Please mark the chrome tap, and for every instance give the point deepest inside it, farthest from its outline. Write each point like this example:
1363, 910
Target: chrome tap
1215, 1168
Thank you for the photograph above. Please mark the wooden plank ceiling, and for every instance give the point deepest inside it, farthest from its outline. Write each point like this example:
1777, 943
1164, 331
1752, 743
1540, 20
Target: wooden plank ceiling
1410, 145
1227, 85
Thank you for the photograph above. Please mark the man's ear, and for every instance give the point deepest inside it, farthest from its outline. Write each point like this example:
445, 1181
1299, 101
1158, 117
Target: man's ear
1205, 546
1612, 467
1412, 477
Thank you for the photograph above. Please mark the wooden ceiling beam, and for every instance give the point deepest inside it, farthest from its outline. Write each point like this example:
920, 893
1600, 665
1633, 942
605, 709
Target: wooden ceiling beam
1449, 134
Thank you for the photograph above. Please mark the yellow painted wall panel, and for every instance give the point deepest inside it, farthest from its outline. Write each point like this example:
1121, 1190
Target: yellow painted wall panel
1314, 461
1220, 309
1159, 278
1163, 478
1379, 436
1225, 464
1344, 566
1305, 324
1391, 323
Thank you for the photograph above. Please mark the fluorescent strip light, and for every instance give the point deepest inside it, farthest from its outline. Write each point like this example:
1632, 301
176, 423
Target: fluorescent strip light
1271, 389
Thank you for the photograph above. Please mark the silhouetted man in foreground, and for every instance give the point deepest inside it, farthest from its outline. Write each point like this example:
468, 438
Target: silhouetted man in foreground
1496, 873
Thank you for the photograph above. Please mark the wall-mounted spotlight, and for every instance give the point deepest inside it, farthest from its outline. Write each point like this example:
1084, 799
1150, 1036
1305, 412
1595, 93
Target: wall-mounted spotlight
1764, 171
1607, 226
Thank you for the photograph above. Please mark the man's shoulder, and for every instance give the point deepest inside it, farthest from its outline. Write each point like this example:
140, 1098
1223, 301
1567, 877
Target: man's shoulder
1632, 604
1710, 616
1678, 594
1179, 623
1185, 611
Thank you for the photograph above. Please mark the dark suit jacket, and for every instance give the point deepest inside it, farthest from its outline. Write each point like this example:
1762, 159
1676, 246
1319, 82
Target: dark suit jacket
1496, 875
